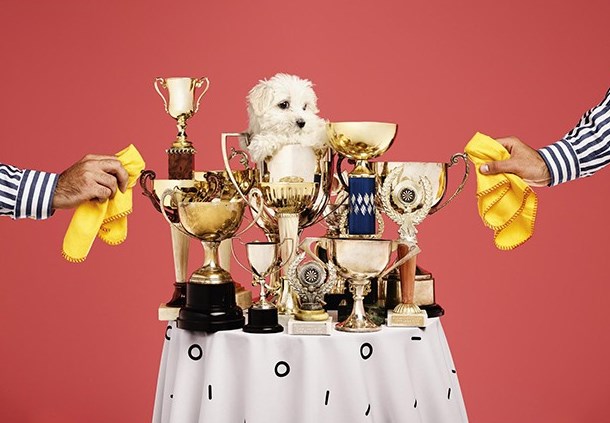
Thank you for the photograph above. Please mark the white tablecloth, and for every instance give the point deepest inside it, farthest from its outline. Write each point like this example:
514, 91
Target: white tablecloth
395, 375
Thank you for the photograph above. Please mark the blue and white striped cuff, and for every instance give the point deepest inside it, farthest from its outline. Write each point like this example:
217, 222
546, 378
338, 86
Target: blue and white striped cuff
35, 195
562, 162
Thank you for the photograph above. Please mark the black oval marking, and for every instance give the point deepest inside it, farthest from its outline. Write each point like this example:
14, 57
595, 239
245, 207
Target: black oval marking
171, 396
453, 371
195, 352
368, 410
210, 392
326, 400
415, 405
369, 347
416, 338
167, 329
449, 394
286, 369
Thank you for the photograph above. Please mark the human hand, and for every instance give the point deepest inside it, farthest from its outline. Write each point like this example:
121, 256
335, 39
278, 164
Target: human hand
524, 162
93, 177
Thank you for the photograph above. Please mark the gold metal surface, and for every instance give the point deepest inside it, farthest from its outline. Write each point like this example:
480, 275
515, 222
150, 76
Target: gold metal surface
211, 220
288, 197
361, 140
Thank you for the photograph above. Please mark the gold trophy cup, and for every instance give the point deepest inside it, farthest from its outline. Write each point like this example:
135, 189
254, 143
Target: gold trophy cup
210, 212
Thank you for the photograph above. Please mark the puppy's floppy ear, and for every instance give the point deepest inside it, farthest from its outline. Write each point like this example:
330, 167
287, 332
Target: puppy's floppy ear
260, 97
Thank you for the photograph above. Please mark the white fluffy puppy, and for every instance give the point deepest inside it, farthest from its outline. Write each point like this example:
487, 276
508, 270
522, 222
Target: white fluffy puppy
283, 110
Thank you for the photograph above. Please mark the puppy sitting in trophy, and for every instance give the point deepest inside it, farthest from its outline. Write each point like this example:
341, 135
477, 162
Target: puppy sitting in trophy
287, 141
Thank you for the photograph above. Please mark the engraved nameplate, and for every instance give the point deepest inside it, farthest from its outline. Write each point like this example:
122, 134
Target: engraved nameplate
299, 327
407, 320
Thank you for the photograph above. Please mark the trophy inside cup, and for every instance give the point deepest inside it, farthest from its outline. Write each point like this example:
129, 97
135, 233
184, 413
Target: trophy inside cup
292, 192
211, 213
181, 103
410, 192
360, 142
359, 260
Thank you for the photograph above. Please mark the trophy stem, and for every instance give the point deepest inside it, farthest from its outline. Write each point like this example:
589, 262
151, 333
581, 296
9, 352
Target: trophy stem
211, 272
288, 227
181, 138
358, 321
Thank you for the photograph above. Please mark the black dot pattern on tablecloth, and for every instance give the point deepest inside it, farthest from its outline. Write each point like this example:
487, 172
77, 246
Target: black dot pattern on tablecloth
366, 351
415, 405
167, 330
282, 369
210, 392
449, 394
327, 396
195, 352
368, 410
416, 338
171, 396
453, 371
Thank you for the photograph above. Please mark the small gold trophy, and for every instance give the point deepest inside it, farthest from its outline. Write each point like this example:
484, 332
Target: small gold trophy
181, 159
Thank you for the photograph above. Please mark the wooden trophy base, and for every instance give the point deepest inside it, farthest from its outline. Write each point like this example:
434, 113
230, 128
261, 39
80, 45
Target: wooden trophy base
300, 327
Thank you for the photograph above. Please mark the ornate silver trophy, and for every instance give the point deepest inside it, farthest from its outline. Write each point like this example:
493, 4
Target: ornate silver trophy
410, 192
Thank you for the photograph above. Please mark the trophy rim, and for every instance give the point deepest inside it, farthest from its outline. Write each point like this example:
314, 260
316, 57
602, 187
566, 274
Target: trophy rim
379, 147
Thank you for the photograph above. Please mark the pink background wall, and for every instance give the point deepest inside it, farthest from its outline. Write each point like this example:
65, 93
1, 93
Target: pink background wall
527, 328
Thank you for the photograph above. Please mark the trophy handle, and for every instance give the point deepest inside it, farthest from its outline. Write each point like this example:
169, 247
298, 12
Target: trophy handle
306, 246
177, 225
340, 172
413, 251
454, 160
199, 83
161, 81
235, 254
146, 179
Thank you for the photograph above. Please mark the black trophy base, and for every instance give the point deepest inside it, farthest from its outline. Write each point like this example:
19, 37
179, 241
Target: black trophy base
433, 310
262, 320
179, 296
210, 308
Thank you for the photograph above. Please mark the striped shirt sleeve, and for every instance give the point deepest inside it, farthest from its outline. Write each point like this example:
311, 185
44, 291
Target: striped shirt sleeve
26, 193
584, 150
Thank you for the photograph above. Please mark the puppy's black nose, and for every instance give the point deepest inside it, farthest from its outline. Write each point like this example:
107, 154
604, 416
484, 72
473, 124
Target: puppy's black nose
301, 123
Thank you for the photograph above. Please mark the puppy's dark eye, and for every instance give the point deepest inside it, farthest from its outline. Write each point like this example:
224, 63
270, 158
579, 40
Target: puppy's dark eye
283, 105
305, 107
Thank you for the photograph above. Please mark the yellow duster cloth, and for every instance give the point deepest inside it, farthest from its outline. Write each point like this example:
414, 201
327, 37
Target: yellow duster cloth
108, 219
506, 203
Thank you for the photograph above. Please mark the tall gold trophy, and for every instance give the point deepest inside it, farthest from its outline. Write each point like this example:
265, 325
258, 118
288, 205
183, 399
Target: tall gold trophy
410, 192
181, 104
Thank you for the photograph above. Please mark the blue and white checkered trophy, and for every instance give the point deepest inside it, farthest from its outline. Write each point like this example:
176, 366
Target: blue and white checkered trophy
360, 142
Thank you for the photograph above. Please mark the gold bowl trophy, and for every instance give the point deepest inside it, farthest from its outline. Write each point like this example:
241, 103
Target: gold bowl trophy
211, 212
410, 192
180, 105
359, 260
360, 142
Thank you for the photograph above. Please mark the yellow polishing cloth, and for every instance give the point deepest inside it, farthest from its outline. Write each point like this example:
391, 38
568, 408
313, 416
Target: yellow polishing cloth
108, 219
506, 203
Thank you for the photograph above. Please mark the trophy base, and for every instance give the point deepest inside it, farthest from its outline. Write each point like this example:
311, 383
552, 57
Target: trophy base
354, 324
210, 308
433, 310
167, 313
263, 320
179, 296
418, 320
300, 327
311, 315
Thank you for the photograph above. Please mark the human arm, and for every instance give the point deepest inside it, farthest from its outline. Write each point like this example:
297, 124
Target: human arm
582, 152
35, 194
